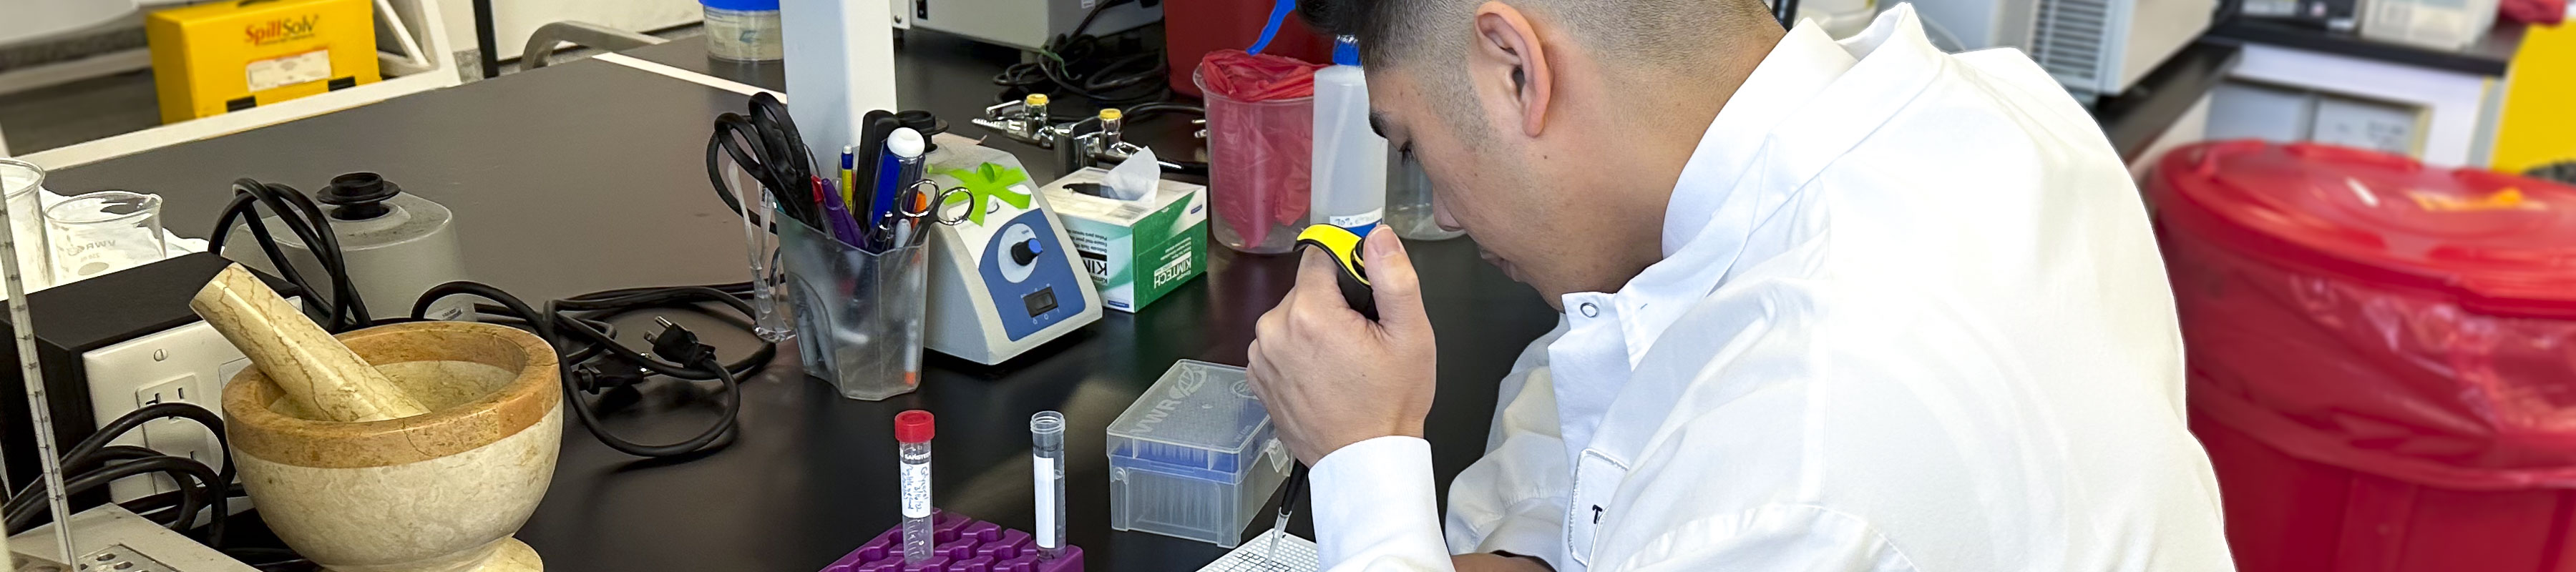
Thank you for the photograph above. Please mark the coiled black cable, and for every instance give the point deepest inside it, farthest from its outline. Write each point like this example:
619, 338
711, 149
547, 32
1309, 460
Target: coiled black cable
344, 309
550, 323
93, 462
1086, 66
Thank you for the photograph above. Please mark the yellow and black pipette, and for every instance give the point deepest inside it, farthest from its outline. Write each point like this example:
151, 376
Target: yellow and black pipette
1351, 274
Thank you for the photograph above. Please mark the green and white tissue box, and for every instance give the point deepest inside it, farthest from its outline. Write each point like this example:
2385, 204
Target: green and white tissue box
1139, 250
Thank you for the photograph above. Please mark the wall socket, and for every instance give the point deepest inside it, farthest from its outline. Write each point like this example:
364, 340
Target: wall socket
186, 364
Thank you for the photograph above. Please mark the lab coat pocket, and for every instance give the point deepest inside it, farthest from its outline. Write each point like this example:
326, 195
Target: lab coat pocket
1596, 484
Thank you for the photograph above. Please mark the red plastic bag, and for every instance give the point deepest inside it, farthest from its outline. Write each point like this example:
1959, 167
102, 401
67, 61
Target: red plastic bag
1260, 113
1245, 77
2364, 311
2549, 12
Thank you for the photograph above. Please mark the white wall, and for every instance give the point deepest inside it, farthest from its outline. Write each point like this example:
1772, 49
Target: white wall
513, 20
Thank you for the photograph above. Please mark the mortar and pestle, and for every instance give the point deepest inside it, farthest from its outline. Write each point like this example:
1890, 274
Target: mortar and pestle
412, 447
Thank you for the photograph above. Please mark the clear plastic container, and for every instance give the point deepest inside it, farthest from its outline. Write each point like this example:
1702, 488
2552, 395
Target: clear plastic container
858, 315
1046, 453
1350, 157
1408, 200
1259, 170
1194, 457
2447, 25
744, 30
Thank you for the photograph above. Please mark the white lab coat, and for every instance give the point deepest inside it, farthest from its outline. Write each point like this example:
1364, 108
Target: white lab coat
1910, 317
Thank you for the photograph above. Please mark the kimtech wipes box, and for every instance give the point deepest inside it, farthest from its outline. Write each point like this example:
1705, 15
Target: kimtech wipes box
1137, 250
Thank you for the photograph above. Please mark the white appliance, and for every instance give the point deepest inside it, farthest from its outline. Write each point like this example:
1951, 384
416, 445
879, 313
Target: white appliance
2101, 47
1009, 281
1978, 24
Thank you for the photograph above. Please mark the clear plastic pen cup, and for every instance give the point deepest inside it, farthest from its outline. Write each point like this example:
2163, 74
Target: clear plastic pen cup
103, 232
27, 220
858, 314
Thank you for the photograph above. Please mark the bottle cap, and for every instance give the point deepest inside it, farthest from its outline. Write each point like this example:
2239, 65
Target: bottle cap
905, 142
1034, 99
1346, 51
1111, 114
913, 426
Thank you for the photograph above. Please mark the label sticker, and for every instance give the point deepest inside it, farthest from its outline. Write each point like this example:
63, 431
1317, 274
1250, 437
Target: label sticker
1358, 222
272, 73
916, 490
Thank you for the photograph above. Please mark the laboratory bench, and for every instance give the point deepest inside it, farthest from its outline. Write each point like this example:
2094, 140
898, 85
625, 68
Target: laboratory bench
589, 175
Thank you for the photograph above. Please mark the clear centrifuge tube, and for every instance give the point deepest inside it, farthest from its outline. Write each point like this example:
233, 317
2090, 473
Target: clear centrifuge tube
1046, 447
913, 430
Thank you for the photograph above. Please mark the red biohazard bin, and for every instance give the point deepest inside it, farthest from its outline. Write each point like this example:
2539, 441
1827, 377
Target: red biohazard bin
2382, 356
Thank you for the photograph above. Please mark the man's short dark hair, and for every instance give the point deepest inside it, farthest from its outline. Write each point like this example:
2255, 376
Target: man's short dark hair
1644, 32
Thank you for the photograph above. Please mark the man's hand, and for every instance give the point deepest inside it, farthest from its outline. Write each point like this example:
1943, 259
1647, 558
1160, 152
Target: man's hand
1490, 562
1331, 377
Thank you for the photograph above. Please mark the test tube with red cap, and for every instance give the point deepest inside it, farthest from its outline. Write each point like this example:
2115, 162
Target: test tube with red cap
913, 430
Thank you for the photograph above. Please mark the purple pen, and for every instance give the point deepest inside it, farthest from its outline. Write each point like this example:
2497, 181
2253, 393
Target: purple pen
837, 215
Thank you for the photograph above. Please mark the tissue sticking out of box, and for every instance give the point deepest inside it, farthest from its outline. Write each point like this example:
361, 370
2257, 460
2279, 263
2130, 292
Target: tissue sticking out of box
1135, 179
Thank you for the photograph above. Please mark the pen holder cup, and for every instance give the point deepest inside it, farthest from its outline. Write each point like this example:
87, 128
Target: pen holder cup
858, 314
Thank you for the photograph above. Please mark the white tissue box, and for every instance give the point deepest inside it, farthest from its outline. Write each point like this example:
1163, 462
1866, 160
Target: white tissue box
1137, 251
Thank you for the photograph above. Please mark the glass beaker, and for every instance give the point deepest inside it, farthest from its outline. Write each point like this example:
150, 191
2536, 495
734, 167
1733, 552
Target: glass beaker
103, 232
1408, 200
27, 220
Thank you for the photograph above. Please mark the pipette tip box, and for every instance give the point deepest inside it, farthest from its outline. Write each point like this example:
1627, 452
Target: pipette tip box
960, 544
1194, 456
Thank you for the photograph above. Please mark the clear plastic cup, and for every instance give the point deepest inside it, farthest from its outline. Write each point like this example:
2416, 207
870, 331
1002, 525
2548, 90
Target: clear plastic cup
27, 220
103, 232
1259, 170
858, 314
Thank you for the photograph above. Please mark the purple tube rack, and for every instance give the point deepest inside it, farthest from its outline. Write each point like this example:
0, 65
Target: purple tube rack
959, 544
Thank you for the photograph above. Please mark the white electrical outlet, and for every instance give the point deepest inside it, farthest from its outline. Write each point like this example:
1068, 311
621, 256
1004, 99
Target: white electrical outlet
188, 364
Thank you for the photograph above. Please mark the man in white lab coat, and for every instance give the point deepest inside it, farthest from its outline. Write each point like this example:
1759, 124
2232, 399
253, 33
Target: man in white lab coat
1829, 305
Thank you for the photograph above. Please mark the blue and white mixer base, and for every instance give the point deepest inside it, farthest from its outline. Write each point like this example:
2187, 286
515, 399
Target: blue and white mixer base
999, 288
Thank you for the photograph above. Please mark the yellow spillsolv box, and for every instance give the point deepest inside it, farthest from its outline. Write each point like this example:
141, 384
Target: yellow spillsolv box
216, 58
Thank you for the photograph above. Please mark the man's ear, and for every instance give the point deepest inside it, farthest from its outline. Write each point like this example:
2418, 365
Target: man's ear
1508, 61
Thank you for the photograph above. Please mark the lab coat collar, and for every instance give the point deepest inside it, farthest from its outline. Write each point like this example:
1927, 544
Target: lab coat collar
1801, 65
1896, 63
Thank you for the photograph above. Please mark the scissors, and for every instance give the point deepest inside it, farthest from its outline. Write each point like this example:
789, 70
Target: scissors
913, 208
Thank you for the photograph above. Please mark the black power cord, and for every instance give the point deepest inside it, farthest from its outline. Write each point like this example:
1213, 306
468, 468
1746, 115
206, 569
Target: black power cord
94, 463
344, 310
596, 362
1107, 70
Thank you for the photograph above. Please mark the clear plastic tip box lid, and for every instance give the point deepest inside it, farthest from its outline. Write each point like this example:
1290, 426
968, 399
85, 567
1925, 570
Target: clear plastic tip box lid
1193, 457
1199, 420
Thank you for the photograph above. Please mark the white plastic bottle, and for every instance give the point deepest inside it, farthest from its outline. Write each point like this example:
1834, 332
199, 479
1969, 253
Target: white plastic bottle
1350, 159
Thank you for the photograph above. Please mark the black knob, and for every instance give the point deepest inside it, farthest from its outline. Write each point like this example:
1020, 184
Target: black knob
1027, 251
358, 196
